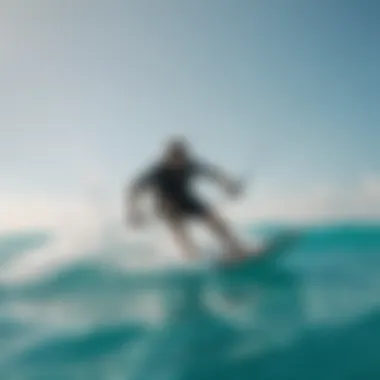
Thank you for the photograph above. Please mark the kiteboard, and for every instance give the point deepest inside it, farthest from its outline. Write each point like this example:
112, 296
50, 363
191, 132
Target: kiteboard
272, 250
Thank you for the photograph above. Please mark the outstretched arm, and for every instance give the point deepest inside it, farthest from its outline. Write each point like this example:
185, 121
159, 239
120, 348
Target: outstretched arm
133, 195
218, 175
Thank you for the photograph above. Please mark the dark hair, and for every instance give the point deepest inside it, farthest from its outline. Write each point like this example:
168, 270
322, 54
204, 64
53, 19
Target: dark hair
178, 143
177, 146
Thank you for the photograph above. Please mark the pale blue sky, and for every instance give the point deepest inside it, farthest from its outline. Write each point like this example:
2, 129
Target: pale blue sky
288, 89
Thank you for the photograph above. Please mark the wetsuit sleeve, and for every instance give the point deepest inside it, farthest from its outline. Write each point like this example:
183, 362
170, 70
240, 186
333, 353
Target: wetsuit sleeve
146, 179
202, 168
212, 172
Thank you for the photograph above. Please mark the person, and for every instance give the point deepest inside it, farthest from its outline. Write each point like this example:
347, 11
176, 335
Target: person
171, 180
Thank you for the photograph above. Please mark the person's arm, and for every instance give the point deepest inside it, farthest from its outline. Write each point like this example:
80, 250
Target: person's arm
219, 176
134, 192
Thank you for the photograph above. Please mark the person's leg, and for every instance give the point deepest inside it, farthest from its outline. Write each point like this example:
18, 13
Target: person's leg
170, 212
182, 237
220, 228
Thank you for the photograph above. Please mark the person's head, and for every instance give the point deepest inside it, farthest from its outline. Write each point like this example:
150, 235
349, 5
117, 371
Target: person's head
177, 151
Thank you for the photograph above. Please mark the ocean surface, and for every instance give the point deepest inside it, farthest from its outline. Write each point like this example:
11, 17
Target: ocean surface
313, 314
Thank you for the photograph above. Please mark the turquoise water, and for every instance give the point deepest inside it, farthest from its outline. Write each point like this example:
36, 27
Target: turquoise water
313, 315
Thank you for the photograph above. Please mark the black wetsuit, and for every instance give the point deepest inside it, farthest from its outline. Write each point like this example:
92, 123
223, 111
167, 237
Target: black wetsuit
173, 188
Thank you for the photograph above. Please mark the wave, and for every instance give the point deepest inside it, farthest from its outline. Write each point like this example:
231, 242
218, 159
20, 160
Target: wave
313, 314
20, 242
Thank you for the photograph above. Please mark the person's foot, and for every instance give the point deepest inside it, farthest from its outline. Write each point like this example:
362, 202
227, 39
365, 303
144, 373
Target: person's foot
236, 255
